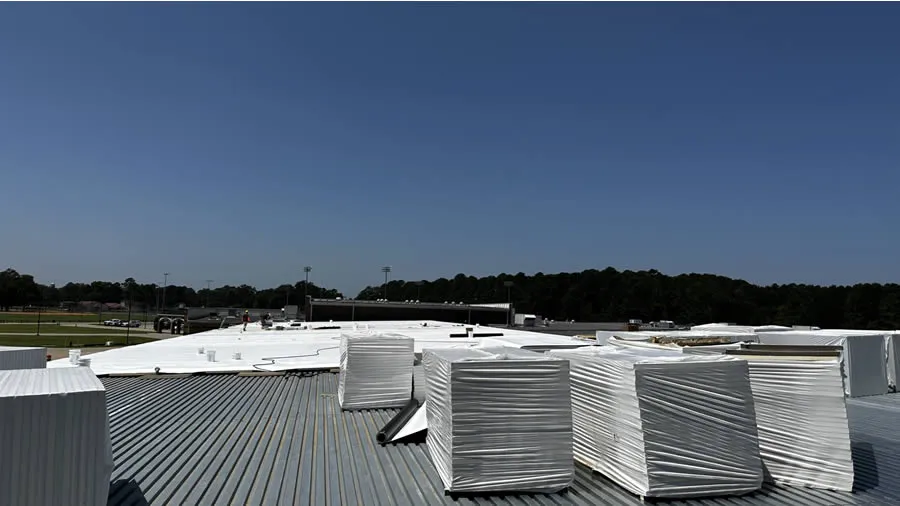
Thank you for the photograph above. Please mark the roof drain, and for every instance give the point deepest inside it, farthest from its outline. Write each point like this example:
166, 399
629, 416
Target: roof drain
393, 426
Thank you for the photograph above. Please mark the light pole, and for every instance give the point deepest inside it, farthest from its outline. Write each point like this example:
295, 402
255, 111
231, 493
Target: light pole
386, 270
165, 284
208, 290
306, 271
128, 328
419, 290
508, 285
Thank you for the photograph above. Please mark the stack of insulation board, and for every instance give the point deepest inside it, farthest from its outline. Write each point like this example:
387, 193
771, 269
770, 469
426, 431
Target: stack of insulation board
17, 357
376, 371
499, 420
804, 435
665, 424
865, 361
54, 438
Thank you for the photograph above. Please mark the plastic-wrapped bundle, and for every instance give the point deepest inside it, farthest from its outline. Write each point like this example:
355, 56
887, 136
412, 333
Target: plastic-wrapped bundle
663, 424
376, 371
17, 357
865, 363
54, 438
499, 420
804, 436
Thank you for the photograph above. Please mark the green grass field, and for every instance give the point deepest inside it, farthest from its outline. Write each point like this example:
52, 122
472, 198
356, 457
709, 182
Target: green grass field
52, 341
49, 328
47, 316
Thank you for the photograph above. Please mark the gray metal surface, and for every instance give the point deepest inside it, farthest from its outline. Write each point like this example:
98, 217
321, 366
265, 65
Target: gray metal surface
228, 439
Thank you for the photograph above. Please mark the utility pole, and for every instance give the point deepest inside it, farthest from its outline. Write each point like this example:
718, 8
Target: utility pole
208, 291
386, 270
165, 284
419, 290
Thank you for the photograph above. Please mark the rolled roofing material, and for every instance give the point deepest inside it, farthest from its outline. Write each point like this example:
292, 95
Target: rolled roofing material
662, 424
499, 420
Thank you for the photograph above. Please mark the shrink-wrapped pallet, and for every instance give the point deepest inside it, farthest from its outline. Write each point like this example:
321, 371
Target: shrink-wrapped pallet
663, 424
376, 371
864, 355
54, 438
804, 435
20, 357
499, 420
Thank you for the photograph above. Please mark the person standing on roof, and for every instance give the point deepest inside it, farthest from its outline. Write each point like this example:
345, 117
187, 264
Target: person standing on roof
246, 318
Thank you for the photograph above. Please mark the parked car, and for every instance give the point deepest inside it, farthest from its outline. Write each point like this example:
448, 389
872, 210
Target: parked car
135, 323
113, 323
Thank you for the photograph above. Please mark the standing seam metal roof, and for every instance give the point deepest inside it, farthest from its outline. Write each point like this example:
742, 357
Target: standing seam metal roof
230, 439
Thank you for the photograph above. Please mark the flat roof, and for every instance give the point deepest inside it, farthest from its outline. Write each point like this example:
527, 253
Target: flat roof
307, 346
259, 440
404, 304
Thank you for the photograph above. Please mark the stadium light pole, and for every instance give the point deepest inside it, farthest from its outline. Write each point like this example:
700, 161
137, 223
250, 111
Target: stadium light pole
386, 270
306, 271
508, 285
165, 284
208, 290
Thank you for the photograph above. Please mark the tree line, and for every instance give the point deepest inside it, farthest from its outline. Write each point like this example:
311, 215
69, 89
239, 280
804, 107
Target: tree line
21, 290
591, 295
611, 295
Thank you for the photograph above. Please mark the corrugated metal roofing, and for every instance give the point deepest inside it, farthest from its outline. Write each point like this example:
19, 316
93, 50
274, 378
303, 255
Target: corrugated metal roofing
228, 439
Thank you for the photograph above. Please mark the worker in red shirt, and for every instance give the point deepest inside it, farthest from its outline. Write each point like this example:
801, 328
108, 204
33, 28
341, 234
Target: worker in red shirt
246, 318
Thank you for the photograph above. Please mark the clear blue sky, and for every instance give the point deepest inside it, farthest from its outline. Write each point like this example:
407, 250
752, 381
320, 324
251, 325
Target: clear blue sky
759, 141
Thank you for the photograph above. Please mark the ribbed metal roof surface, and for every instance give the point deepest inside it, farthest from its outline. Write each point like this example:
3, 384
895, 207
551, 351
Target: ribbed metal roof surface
228, 439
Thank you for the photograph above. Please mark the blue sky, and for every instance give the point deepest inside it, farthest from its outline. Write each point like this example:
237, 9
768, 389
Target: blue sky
239, 142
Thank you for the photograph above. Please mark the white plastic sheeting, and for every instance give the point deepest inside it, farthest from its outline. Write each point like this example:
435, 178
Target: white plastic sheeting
54, 438
499, 420
15, 357
604, 337
416, 424
709, 349
376, 371
864, 355
662, 424
804, 435
892, 343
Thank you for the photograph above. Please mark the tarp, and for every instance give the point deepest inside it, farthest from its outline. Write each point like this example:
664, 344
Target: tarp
646, 419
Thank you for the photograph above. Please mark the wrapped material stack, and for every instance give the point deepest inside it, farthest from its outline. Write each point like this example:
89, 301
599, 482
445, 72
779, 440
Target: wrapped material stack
54, 438
804, 436
662, 424
376, 371
17, 357
499, 420
865, 363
